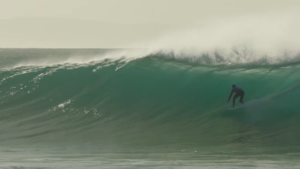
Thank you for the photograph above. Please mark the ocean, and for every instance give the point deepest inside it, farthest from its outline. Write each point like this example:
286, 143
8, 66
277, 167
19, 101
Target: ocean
121, 108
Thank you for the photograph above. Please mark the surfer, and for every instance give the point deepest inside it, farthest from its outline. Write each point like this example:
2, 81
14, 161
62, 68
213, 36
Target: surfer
238, 93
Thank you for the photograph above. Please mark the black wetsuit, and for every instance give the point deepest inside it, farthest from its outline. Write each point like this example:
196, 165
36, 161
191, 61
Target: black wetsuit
238, 93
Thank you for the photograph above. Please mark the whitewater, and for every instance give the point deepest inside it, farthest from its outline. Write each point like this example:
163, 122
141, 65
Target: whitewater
160, 107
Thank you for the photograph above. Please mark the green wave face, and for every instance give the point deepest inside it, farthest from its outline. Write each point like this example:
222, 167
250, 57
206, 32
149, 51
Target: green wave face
148, 102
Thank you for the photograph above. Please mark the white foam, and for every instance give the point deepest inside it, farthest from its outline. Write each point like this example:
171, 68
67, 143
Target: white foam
62, 105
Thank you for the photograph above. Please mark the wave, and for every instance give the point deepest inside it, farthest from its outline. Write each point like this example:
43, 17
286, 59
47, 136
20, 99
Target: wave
152, 100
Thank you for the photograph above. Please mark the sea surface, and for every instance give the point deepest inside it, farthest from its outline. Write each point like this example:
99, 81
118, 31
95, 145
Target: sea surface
116, 108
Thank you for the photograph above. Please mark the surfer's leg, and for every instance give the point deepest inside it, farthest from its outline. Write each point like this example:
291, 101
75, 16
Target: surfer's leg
242, 97
234, 97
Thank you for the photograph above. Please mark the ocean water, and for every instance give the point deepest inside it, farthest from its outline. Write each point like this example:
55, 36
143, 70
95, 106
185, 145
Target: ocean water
102, 108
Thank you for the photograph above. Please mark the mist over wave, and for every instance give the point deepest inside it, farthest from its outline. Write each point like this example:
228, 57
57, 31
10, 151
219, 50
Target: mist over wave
271, 38
255, 40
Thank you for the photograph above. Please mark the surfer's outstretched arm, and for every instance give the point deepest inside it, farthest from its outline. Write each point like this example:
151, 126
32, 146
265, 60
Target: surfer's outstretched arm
229, 97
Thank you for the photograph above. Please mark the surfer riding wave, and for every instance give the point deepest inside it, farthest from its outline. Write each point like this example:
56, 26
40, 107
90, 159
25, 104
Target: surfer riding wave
238, 93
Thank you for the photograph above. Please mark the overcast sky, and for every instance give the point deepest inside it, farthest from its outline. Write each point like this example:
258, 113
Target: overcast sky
38, 23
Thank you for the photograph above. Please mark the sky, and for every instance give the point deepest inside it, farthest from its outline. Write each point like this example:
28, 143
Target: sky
115, 23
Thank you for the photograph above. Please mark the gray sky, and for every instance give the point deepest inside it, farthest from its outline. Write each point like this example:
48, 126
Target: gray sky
114, 23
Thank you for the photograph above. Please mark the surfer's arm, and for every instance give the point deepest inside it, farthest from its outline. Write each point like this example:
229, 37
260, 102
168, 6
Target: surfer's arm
229, 96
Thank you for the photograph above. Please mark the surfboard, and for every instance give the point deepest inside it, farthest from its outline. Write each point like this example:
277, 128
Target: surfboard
239, 106
235, 108
250, 104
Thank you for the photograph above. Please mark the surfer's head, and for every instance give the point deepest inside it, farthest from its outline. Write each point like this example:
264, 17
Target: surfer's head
233, 86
